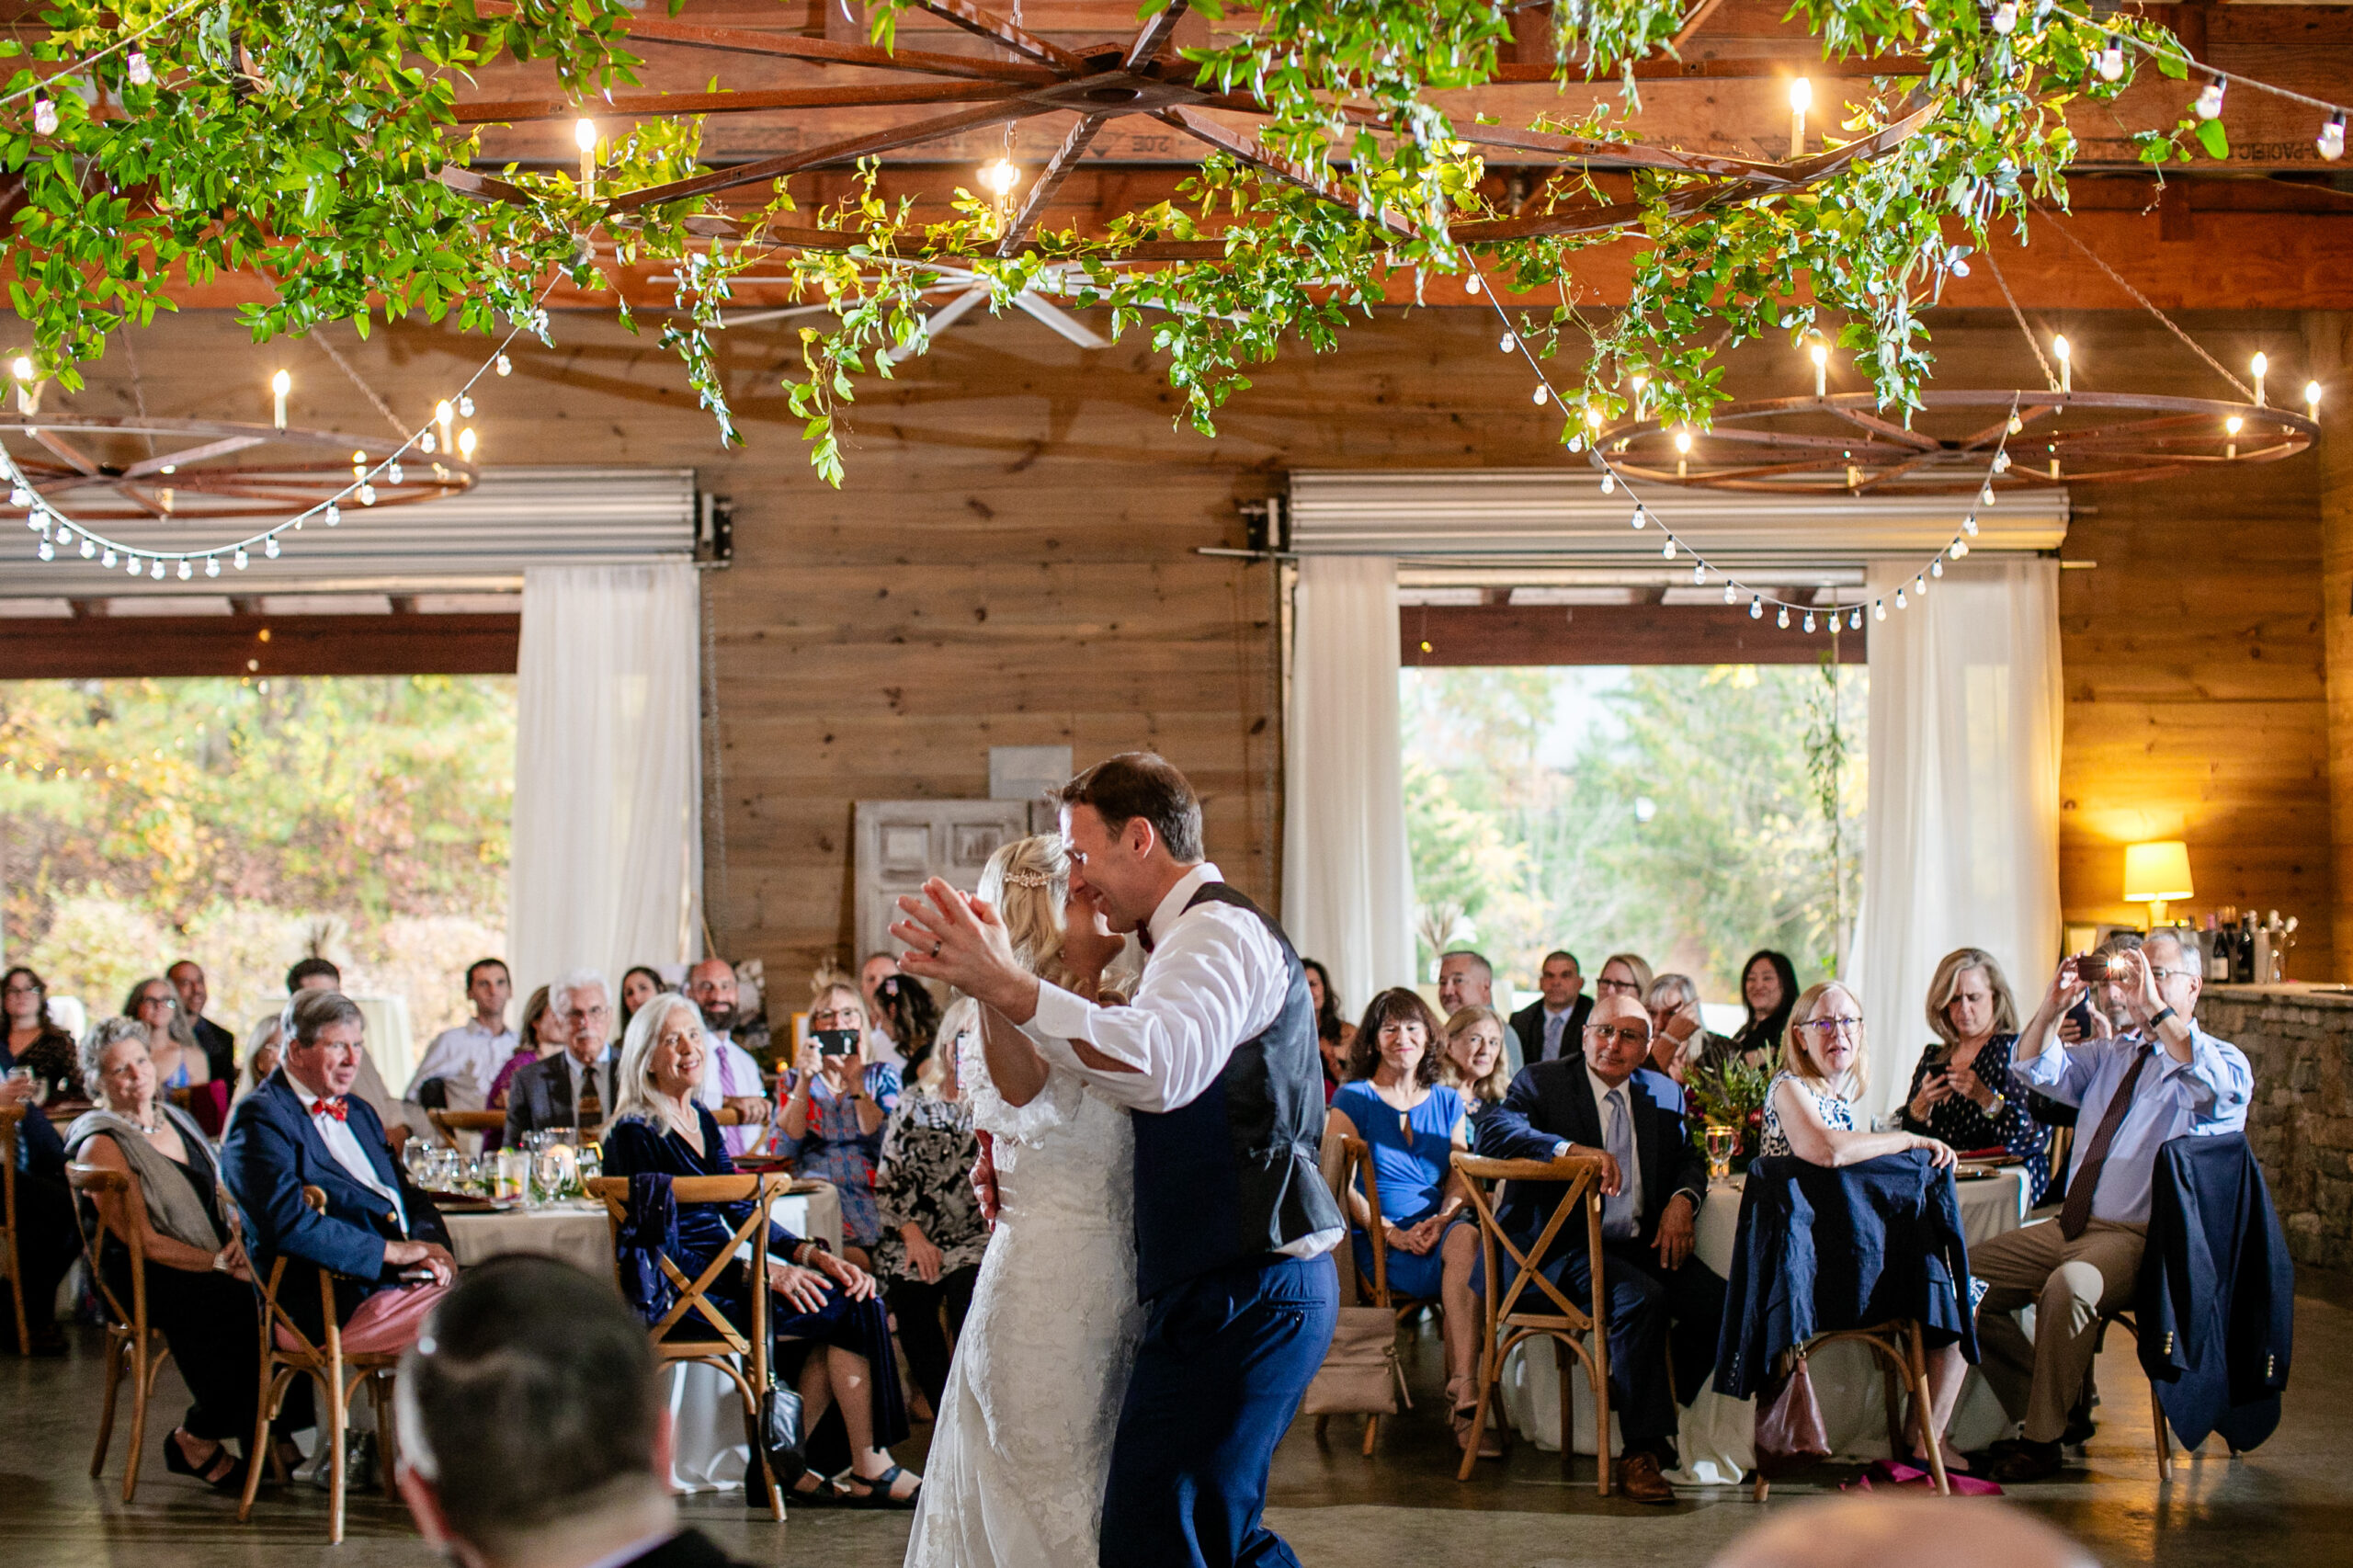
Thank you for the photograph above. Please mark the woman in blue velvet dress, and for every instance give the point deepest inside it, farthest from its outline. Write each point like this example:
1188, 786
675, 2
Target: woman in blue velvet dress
660, 1127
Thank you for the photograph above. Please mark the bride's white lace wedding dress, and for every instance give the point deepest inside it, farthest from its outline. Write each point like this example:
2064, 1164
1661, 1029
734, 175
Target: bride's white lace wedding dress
1015, 1475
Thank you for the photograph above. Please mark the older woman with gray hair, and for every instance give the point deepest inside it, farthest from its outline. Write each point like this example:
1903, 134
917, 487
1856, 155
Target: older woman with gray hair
198, 1285
1681, 1044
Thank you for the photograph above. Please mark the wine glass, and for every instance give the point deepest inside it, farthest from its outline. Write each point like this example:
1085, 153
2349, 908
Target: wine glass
591, 1164
1724, 1141
417, 1155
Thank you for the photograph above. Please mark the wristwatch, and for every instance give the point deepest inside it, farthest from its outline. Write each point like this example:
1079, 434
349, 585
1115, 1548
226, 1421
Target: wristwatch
2158, 1022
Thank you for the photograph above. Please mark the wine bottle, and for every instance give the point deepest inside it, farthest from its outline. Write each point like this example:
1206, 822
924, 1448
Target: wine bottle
2243, 958
2214, 966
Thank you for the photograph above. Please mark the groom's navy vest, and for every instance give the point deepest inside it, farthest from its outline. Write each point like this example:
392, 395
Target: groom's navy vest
1233, 1175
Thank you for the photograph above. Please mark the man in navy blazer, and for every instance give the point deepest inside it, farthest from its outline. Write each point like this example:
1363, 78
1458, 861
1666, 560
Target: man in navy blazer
381, 1239
1606, 1101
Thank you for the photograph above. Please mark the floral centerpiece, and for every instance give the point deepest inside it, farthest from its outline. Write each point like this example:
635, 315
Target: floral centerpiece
1731, 1095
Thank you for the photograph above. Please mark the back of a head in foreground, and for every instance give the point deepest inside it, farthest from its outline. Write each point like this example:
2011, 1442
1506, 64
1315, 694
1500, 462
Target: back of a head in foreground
528, 1400
1878, 1529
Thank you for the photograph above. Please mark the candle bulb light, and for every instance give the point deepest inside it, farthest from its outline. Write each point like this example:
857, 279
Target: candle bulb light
1820, 355
584, 135
2312, 399
2231, 427
2066, 356
279, 385
466, 443
442, 415
2260, 364
1800, 99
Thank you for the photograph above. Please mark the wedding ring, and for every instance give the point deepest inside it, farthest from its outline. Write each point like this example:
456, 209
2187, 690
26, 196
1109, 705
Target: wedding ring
935, 949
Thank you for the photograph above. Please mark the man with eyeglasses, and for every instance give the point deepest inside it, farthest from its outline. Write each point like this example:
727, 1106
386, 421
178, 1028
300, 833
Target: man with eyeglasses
2144, 1073
1608, 1101
730, 1078
573, 1089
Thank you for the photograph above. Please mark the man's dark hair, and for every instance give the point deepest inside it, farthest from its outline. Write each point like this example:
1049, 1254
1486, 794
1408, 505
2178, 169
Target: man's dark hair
314, 1010
306, 968
1563, 953
479, 964
529, 1397
175, 963
1140, 784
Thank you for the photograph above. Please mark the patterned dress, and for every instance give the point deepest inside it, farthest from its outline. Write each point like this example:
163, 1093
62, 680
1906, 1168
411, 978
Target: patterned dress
1963, 1125
928, 1152
1835, 1112
834, 1149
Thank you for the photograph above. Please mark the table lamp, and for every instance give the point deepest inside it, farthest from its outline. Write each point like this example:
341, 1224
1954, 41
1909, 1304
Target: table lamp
2155, 872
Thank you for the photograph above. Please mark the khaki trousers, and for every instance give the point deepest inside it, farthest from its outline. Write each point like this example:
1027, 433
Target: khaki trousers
2068, 1284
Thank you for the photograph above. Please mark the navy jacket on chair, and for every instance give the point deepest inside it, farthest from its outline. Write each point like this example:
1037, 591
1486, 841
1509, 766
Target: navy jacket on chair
1550, 1101
1821, 1250
270, 1154
2216, 1300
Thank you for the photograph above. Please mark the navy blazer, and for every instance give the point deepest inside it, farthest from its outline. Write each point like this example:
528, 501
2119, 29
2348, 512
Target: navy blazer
270, 1153
2216, 1298
1523, 1044
1822, 1248
1550, 1101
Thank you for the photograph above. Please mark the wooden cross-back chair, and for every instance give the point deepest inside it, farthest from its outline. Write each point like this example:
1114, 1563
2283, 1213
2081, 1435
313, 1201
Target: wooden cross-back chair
1356, 1163
694, 1304
12, 1261
1897, 1342
132, 1344
448, 1124
2156, 1406
287, 1353
1531, 1306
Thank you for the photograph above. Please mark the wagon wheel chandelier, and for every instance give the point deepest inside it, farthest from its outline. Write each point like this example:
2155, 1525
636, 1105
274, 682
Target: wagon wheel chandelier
1095, 84
1843, 444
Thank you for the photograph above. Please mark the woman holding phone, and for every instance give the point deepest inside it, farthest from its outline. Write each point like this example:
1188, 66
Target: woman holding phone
834, 1104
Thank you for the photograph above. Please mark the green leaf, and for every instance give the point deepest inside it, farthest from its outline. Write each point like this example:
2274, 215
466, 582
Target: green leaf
2214, 139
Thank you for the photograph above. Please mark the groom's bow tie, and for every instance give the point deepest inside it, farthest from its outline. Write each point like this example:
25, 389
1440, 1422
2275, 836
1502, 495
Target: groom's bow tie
1144, 937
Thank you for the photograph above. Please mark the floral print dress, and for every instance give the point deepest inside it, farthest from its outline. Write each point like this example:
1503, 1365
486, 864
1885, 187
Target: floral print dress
928, 1152
834, 1150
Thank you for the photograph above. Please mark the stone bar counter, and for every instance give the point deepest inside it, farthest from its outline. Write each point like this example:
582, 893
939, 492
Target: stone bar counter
2300, 1041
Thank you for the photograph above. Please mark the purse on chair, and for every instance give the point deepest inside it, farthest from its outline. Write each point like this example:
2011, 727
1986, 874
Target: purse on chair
782, 1441
1360, 1375
1790, 1434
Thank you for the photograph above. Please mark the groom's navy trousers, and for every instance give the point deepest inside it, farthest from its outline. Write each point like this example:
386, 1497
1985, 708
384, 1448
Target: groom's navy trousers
1226, 1358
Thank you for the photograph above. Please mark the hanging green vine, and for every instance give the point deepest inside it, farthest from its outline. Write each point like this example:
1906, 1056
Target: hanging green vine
314, 145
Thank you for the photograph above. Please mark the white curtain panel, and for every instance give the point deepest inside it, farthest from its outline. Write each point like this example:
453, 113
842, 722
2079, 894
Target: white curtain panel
1348, 880
607, 869
1961, 848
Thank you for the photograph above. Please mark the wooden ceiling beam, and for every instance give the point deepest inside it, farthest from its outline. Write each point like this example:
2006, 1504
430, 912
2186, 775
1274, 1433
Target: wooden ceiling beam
103, 647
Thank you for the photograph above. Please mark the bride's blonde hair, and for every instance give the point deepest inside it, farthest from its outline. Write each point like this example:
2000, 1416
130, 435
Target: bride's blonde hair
1027, 882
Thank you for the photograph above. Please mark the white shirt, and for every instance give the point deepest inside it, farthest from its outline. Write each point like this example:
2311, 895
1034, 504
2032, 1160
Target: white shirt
469, 1055
1215, 978
1632, 1177
343, 1144
730, 1072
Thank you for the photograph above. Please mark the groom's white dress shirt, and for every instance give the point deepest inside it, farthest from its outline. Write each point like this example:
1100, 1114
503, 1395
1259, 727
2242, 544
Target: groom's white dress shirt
1215, 978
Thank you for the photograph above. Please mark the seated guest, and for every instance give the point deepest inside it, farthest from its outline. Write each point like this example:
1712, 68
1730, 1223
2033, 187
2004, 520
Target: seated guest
179, 1062
541, 1035
639, 986
35, 1042
1471, 1061
262, 1052
1769, 989
381, 1239
877, 968
321, 975
660, 1127
462, 1063
1603, 1100
1333, 1037
2147, 1075
1553, 1023
1810, 1112
831, 1124
47, 1238
928, 1256
1681, 1044
735, 1077
585, 1480
1623, 974
198, 1286
573, 1089
1465, 979
908, 1020
1413, 1124
1961, 1093
220, 1047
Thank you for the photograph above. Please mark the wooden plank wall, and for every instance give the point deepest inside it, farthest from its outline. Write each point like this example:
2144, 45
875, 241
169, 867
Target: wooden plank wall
1012, 562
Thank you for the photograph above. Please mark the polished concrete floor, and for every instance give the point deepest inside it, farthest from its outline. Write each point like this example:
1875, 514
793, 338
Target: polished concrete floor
2289, 1505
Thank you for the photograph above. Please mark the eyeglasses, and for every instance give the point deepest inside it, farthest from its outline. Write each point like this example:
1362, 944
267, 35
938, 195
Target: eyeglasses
1629, 1035
2161, 975
831, 1015
598, 1011
1826, 1028
159, 1001
24, 991
1614, 987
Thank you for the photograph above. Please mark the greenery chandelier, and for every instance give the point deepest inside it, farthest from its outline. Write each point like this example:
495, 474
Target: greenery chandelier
331, 150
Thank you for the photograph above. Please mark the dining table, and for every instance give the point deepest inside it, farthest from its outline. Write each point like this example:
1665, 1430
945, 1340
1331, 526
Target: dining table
1715, 1438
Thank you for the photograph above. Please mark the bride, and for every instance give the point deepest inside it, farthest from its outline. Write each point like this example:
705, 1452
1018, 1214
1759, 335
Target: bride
1015, 1476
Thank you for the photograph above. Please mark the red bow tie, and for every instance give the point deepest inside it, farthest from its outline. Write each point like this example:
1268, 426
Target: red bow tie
334, 1107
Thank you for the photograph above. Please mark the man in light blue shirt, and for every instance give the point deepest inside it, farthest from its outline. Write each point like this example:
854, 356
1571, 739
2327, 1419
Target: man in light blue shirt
2145, 1074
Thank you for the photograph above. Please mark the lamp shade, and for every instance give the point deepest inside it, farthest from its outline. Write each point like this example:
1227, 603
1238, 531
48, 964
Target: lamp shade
2155, 871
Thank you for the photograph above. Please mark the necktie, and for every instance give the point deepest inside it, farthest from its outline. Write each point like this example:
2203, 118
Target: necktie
334, 1107
1618, 1137
2076, 1212
1555, 1024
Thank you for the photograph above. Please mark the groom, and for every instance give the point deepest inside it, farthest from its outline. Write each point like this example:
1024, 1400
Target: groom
1217, 1056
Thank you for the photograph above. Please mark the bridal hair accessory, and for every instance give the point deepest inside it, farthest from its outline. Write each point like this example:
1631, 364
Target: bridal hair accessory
1028, 878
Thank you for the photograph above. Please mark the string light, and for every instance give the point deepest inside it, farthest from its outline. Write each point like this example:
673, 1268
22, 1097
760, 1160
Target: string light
1782, 620
1542, 391
2210, 98
44, 115
506, 365
2111, 60
1856, 623
2331, 140
1509, 342
1641, 518
1808, 621
1756, 611
998, 176
136, 67
2006, 18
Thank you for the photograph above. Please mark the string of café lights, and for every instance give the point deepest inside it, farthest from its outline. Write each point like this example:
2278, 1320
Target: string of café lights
55, 529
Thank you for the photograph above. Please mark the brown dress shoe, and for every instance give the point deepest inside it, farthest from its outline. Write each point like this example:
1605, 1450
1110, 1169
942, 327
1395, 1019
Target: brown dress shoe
1640, 1482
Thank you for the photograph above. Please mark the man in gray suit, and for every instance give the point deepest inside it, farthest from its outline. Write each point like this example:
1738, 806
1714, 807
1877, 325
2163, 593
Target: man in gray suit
574, 1088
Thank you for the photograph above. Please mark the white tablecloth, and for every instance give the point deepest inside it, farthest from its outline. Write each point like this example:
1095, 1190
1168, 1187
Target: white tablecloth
1716, 1434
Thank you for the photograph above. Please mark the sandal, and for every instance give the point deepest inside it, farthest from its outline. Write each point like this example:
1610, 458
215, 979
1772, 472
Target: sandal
874, 1492
823, 1491
231, 1479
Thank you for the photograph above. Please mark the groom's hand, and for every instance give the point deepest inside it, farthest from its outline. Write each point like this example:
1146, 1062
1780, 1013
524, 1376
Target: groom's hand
960, 940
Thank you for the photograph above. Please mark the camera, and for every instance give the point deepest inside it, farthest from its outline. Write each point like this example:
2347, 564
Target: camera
2094, 967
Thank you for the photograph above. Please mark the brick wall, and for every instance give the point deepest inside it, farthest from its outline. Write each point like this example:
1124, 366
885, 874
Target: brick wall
2301, 1045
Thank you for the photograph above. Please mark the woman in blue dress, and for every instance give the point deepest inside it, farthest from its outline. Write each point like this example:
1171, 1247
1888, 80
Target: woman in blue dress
1413, 1124
826, 1302
830, 1120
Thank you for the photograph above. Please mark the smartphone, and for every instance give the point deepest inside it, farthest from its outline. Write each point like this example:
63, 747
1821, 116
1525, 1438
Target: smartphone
835, 1042
2082, 1012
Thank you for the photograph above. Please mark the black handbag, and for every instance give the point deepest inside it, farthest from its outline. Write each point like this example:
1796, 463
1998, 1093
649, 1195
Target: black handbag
782, 1441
